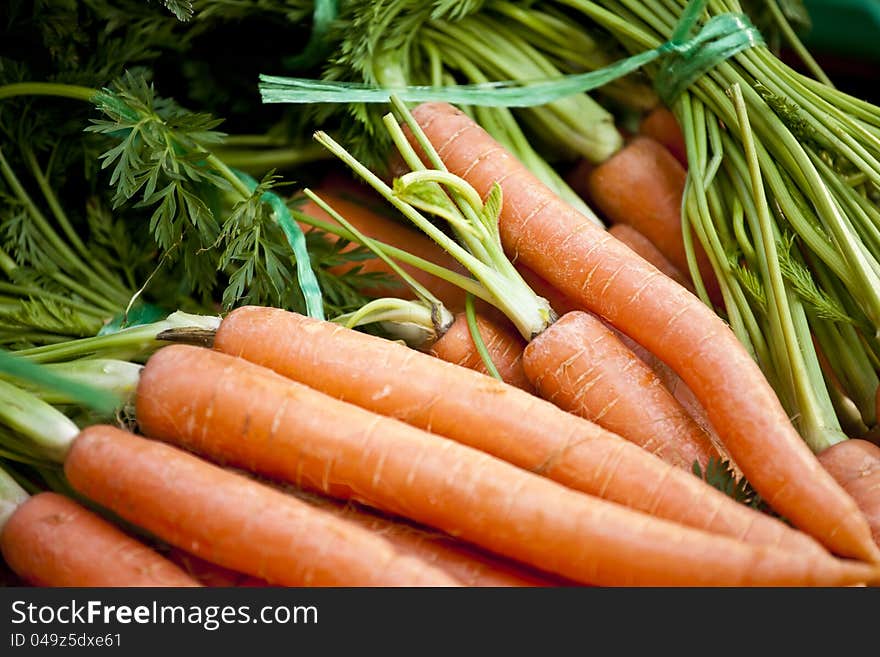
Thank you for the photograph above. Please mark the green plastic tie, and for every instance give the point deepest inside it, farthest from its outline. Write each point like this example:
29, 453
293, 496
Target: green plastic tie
686, 59
308, 283
721, 38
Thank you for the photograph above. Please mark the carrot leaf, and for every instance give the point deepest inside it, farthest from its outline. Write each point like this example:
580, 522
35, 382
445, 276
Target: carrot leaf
720, 474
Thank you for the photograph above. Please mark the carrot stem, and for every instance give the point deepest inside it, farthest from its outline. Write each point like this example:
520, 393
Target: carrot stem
11, 496
819, 425
477, 337
51, 431
128, 344
506, 289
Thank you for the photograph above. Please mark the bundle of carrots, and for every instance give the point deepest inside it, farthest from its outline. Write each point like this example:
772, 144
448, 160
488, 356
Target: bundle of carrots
423, 440
290, 432
524, 400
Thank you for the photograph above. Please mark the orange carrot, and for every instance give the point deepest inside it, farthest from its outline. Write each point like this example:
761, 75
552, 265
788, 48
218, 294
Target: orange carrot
228, 519
563, 304
558, 301
643, 246
210, 574
605, 382
248, 416
677, 388
661, 125
577, 177
855, 464
642, 186
491, 416
504, 344
50, 540
395, 234
470, 566
591, 266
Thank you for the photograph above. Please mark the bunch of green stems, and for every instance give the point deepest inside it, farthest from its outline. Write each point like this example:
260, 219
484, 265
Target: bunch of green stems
782, 196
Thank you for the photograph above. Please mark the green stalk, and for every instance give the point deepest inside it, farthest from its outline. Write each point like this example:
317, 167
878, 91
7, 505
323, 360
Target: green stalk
51, 431
850, 364
105, 278
515, 298
23, 291
463, 282
816, 417
118, 377
12, 496
47, 89
56, 243
262, 160
577, 121
477, 337
128, 344
527, 314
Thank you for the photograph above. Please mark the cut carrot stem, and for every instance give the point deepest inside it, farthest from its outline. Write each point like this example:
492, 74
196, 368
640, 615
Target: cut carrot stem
503, 343
231, 520
291, 432
397, 234
603, 381
53, 541
855, 464
594, 268
491, 416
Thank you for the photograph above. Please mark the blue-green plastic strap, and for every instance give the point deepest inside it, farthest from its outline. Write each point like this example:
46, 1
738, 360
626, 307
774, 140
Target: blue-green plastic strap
308, 283
720, 39
685, 57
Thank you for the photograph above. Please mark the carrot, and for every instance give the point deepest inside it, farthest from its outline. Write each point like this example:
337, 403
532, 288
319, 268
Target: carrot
643, 246
677, 388
558, 301
246, 415
51, 540
505, 347
605, 382
231, 520
661, 125
855, 464
591, 266
642, 186
395, 234
578, 175
673, 383
486, 414
210, 574
470, 566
